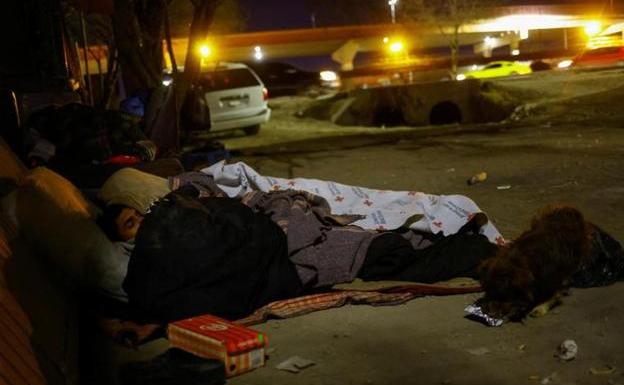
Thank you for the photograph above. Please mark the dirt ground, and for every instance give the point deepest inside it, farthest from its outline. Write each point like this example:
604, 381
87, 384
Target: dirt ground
566, 148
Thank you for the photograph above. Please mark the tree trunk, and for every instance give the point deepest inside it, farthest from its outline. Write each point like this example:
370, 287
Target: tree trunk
174, 64
202, 20
111, 77
454, 52
138, 35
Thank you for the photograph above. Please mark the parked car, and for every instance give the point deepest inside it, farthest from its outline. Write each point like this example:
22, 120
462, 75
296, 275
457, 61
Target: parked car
496, 69
231, 96
600, 57
286, 79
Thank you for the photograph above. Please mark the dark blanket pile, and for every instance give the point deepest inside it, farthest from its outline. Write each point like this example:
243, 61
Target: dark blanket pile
219, 258
605, 264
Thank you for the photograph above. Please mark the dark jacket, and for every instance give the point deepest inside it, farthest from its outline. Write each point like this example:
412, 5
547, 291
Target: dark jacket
207, 256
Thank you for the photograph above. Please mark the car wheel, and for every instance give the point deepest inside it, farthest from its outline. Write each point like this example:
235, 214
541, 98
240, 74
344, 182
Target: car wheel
252, 130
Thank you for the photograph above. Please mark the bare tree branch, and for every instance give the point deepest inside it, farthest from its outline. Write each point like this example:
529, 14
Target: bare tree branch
449, 16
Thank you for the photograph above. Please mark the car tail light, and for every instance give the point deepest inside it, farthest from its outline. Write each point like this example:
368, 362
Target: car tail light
265, 94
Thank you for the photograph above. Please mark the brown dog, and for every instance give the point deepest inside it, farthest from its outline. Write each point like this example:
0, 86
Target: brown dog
534, 269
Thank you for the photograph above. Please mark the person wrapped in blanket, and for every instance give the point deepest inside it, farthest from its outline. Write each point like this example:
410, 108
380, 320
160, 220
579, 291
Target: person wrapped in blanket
199, 252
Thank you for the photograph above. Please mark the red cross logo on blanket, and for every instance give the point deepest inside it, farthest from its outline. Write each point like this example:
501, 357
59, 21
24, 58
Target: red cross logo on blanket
412, 193
368, 203
339, 198
275, 187
291, 183
437, 224
380, 228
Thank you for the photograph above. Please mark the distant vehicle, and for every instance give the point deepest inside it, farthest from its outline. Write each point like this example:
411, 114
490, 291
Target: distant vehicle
229, 97
286, 79
540, 65
497, 69
600, 57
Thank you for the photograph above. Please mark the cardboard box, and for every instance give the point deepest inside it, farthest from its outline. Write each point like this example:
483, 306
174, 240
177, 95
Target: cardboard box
240, 348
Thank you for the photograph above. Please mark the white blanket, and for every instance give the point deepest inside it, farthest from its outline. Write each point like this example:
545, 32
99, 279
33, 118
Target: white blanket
384, 209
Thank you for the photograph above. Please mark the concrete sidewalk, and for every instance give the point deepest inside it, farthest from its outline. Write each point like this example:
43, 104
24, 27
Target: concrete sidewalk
427, 341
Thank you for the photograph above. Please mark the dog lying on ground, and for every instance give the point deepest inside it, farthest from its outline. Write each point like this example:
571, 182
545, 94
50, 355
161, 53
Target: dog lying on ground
532, 272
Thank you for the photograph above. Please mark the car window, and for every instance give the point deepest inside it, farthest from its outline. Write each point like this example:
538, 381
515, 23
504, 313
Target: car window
491, 66
227, 79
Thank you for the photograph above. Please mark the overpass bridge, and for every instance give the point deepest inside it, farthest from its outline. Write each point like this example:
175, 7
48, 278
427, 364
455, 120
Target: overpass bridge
507, 27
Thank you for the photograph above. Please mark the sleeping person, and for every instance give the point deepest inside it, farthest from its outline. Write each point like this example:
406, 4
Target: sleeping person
199, 252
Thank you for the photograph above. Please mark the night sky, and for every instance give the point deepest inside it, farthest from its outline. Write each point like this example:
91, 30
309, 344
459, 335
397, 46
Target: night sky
263, 15
275, 14
289, 14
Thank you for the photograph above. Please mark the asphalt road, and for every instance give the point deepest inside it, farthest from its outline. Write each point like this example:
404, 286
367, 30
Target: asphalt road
427, 341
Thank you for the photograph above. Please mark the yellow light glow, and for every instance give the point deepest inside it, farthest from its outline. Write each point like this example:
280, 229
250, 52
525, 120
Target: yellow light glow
397, 47
386, 39
593, 28
205, 50
604, 41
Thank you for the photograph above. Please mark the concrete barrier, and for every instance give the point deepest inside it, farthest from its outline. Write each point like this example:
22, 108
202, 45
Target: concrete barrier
445, 102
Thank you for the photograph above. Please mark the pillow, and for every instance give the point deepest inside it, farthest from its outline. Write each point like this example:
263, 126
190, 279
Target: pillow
134, 188
6, 234
59, 192
59, 223
10, 166
8, 207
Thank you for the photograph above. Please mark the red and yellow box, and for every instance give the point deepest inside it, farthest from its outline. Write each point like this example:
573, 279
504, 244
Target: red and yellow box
240, 348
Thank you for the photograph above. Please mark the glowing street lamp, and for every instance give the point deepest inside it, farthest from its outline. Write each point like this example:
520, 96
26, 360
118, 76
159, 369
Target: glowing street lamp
397, 47
593, 28
392, 4
489, 41
205, 51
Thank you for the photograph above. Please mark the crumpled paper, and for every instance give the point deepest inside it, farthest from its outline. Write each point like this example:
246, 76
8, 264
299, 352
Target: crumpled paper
294, 364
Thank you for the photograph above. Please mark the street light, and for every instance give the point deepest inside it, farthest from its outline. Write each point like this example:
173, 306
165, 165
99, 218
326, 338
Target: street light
593, 28
397, 47
205, 51
392, 4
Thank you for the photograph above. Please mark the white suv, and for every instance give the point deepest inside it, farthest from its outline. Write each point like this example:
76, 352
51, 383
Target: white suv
235, 97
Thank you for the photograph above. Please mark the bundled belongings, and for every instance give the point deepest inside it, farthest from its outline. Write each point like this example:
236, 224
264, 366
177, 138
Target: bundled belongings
87, 134
76, 140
